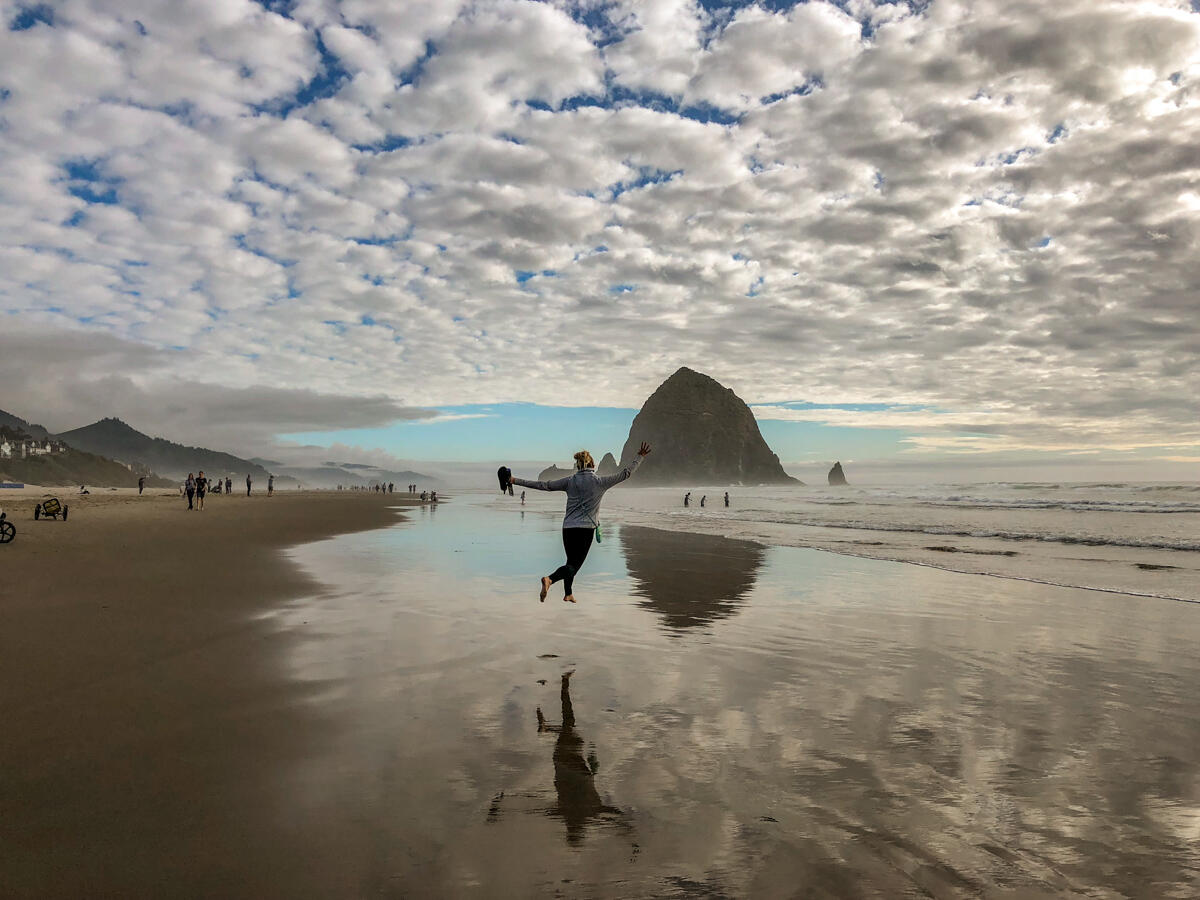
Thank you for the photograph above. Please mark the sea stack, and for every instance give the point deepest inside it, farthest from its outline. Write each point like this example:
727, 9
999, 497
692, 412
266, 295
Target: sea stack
553, 472
608, 466
836, 476
700, 433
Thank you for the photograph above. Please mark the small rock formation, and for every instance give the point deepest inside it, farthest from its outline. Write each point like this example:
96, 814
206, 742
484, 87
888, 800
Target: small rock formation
608, 466
700, 433
552, 472
836, 476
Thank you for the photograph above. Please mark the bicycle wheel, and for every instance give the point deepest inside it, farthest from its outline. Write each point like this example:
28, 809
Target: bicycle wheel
37, 512
65, 508
8, 531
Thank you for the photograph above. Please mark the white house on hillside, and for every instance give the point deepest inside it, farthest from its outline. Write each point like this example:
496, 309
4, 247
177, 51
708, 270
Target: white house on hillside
23, 447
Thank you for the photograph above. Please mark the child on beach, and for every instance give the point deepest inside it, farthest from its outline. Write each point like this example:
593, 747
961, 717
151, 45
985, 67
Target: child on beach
585, 489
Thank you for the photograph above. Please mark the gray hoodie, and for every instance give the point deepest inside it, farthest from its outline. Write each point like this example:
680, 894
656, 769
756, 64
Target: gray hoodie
585, 489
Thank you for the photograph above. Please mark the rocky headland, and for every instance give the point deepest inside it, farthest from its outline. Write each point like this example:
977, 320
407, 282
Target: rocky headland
701, 433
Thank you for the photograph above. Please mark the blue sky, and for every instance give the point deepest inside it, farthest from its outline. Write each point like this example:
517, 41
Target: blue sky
530, 432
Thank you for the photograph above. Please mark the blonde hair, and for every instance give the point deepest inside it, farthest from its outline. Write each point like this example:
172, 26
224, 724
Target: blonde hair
583, 460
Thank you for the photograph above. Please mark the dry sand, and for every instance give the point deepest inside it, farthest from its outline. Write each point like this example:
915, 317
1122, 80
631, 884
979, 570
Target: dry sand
134, 676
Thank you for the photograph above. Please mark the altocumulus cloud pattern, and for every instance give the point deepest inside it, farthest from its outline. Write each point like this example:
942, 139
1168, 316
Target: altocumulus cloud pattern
345, 212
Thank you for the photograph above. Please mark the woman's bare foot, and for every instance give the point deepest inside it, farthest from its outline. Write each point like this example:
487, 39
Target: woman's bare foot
570, 598
545, 588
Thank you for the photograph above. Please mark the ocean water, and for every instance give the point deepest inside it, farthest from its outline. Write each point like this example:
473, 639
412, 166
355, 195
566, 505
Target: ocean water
1137, 539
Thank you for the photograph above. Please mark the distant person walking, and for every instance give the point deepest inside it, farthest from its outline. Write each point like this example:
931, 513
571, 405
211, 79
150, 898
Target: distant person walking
141, 484
702, 499
189, 488
687, 498
228, 485
727, 498
201, 489
270, 485
522, 498
247, 485
585, 489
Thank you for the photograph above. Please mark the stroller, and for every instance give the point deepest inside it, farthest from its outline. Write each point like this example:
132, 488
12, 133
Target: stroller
50, 509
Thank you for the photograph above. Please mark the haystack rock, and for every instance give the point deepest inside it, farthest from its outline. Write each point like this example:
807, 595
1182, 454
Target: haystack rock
608, 466
551, 472
836, 475
700, 433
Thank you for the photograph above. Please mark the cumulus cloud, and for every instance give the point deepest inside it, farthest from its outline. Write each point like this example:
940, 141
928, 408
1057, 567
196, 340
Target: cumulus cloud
987, 208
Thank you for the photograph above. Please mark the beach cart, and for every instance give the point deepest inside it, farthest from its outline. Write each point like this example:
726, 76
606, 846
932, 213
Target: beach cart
50, 508
8, 530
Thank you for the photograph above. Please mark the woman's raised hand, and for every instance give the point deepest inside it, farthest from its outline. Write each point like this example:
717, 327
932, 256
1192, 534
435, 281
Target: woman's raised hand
644, 449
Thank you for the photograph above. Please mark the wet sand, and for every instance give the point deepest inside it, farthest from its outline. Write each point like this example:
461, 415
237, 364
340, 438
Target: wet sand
741, 721
144, 717
735, 720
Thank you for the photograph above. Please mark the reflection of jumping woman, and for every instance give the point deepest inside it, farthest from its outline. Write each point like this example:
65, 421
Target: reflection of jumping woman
585, 489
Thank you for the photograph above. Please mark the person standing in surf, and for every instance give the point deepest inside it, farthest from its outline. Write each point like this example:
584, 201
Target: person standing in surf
585, 489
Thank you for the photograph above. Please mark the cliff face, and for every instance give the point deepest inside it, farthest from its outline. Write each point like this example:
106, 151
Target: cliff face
836, 475
700, 433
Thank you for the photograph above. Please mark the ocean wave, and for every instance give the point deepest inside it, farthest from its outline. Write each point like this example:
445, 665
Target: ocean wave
891, 500
997, 534
1118, 506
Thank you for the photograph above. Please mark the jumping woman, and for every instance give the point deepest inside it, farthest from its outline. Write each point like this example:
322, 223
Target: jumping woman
585, 489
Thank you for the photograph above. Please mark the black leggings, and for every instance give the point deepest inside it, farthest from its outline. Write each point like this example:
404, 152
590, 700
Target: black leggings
577, 542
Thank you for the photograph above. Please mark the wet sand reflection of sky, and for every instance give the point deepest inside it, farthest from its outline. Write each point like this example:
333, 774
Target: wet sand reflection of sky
785, 721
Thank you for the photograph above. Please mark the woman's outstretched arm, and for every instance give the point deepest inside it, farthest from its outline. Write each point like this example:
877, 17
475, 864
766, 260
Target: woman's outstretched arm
558, 484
